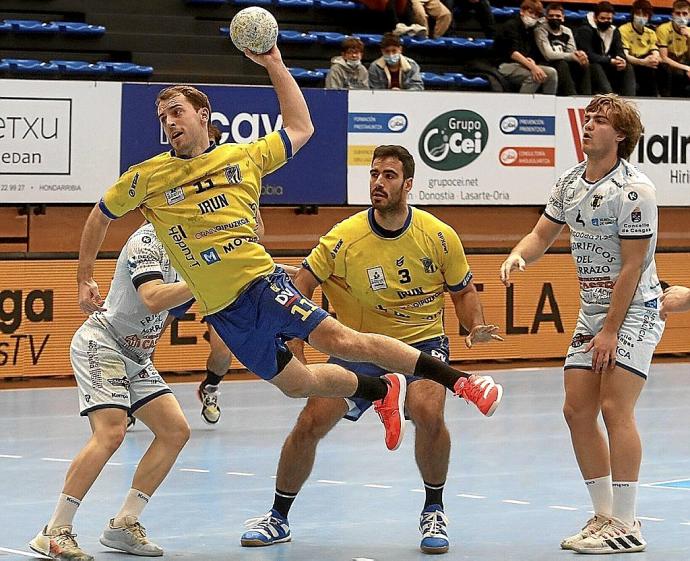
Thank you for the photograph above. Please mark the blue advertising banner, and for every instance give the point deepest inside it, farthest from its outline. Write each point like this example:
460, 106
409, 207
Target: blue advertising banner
317, 175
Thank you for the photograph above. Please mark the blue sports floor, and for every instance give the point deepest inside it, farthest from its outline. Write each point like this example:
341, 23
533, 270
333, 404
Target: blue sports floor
513, 492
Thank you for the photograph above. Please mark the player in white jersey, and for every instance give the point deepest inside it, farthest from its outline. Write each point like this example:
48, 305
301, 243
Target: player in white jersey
610, 208
111, 358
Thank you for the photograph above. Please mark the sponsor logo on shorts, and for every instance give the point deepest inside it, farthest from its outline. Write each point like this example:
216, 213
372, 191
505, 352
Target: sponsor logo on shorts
119, 395
94, 365
580, 339
121, 382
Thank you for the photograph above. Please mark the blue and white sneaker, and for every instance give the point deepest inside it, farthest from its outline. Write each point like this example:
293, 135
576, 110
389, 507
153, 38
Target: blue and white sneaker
266, 530
432, 524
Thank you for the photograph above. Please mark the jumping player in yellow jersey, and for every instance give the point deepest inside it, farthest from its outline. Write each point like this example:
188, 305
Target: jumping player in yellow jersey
384, 270
202, 200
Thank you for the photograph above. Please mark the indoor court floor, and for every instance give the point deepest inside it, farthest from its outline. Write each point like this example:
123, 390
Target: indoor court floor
513, 490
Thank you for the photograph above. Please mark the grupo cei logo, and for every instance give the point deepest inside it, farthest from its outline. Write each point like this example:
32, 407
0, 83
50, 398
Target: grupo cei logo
453, 140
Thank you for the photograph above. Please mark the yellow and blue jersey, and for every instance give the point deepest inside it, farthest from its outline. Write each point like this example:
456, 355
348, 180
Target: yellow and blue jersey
390, 283
638, 44
204, 212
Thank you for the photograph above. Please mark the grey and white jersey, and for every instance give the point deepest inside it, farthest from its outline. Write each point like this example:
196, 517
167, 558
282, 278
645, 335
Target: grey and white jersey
621, 205
126, 317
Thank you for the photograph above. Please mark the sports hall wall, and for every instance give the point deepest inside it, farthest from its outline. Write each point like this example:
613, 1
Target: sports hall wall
488, 172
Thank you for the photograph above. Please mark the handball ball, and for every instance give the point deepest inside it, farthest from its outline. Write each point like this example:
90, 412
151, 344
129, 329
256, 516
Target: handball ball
255, 29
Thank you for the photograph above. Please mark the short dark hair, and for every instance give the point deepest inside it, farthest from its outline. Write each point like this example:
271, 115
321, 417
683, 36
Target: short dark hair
390, 40
644, 6
680, 4
352, 43
555, 6
604, 8
398, 152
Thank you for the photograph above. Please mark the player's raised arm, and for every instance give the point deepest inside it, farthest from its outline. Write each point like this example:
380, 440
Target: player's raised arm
296, 119
92, 237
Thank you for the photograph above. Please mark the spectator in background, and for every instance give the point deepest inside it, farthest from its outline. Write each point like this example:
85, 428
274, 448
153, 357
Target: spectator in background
641, 52
672, 40
557, 45
602, 43
393, 70
347, 71
516, 50
422, 9
481, 10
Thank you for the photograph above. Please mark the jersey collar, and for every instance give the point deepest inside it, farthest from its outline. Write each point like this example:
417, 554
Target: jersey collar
611, 172
209, 149
391, 234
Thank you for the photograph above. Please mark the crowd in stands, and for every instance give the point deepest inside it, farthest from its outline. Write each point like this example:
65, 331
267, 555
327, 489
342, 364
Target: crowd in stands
535, 51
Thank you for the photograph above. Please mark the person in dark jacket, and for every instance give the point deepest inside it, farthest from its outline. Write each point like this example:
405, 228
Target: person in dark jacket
517, 52
602, 43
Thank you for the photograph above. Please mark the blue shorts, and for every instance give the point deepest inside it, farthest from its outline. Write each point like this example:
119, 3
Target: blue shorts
436, 347
269, 312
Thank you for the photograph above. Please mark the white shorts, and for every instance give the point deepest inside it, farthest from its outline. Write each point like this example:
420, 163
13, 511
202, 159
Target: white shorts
637, 338
106, 378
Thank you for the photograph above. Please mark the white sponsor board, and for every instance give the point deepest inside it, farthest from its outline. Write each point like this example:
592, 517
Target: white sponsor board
663, 152
59, 141
469, 148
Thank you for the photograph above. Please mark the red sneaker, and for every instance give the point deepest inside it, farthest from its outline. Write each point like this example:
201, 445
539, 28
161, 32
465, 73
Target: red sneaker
480, 390
391, 409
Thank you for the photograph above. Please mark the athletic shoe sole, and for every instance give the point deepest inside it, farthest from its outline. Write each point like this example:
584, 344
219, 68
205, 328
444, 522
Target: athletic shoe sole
401, 408
496, 403
259, 543
127, 549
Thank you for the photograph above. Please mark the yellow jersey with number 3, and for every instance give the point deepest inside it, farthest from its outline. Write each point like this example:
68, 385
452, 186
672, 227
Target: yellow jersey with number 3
204, 212
390, 285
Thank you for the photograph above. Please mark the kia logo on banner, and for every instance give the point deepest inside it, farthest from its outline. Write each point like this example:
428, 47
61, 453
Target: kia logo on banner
35, 136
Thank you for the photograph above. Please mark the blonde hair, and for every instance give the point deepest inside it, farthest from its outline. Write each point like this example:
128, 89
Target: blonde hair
624, 117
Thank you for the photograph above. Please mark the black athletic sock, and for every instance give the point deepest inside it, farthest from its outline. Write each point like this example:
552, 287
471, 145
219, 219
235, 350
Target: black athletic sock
370, 388
434, 369
212, 379
434, 494
283, 501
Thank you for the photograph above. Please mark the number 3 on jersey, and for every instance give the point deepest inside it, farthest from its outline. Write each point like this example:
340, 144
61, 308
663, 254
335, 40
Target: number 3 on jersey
404, 276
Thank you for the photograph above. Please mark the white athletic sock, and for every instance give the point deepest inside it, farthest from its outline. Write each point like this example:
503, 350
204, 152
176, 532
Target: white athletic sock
601, 493
134, 504
624, 499
64, 513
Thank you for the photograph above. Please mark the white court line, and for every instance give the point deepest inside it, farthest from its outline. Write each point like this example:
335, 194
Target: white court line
12, 456
685, 523
113, 463
655, 483
650, 518
195, 470
558, 507
468, 496
25, 553
417, 491
514, 502
377, 486
331, 481
240, 473
55, 460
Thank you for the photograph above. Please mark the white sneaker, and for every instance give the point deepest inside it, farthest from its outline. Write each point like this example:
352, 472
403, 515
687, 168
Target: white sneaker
208, 395
592, 526
402, 29
419, 31
130, 538
614, 537
59, 543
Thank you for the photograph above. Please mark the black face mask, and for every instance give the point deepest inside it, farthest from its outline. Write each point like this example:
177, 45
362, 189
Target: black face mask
603, 25
554, 24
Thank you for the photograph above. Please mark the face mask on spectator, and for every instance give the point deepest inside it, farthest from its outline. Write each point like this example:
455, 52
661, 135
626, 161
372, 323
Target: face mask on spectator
554, 23
529, 21
391, 60
353, 63
603, 25
640, 21
680, 21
